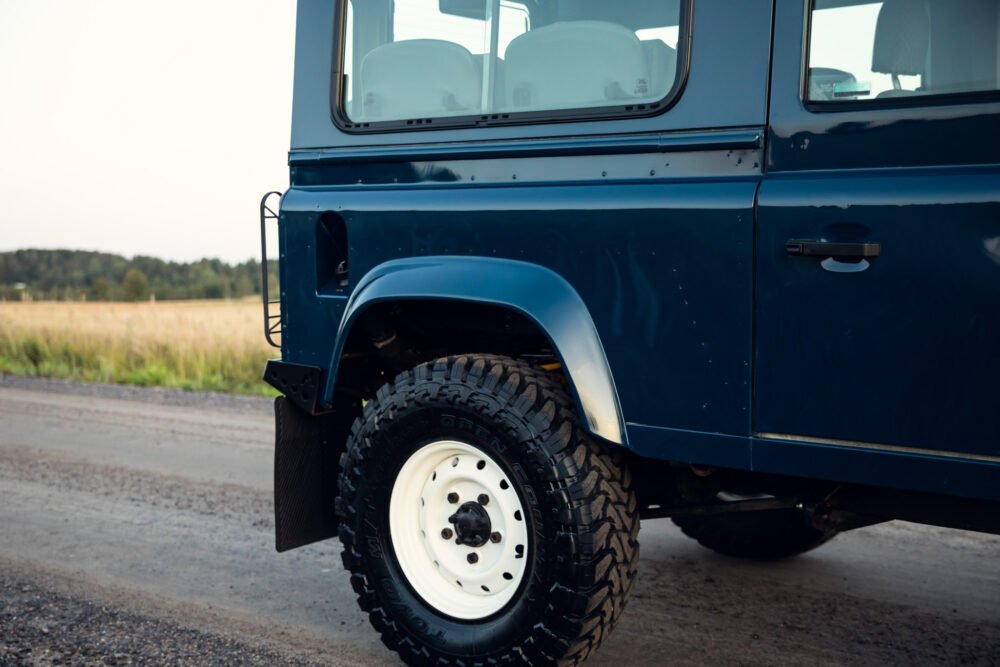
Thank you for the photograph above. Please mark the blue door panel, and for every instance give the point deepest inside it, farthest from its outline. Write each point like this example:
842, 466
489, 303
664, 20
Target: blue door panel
904, 352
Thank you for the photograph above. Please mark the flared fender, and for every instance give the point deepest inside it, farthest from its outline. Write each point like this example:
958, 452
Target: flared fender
533, 291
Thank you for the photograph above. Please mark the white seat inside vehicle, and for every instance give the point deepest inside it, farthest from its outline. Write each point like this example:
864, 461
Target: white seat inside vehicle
417, 78
575, 64
902, 42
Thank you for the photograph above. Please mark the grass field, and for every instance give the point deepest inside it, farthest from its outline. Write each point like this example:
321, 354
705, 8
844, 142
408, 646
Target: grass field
198, 345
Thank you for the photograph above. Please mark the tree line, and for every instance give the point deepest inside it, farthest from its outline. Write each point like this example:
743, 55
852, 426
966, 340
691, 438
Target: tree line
77, 275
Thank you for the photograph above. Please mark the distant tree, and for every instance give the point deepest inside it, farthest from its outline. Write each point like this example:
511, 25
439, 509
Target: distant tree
242, 285
135, 287
100, 290
69, 274
214, 288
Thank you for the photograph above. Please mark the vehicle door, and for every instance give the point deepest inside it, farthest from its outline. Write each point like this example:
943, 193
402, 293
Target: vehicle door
878, 237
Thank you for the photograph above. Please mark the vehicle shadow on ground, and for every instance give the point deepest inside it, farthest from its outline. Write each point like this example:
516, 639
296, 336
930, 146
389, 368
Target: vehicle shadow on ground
843, 604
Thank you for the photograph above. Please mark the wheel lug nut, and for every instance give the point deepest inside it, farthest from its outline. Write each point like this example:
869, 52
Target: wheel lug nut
473, 558
453, 498
494, 538
484, 499
446, 533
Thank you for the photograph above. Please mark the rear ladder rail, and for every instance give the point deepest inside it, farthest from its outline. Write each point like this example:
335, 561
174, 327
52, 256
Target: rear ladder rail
272, 320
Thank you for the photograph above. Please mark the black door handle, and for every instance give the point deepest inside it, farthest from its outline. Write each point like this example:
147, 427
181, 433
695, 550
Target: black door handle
809, 248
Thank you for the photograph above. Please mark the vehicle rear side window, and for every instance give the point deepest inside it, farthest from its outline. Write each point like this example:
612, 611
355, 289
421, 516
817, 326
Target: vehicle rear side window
414, 62
863, 50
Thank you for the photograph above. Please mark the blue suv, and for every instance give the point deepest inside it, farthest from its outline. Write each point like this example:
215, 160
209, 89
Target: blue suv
550, 267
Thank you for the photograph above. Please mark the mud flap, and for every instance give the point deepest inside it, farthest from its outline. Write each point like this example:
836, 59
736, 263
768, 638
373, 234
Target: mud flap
306, 463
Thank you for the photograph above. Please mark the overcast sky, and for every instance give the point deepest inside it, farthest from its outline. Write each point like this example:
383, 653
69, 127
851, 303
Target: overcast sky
142, 127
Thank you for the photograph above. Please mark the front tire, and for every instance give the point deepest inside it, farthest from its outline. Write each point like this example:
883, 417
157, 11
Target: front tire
480, 524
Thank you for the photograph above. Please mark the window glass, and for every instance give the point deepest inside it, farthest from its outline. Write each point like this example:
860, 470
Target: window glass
412, 60
863, 50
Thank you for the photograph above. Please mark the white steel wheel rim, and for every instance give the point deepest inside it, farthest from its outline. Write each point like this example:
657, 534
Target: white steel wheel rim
439, 569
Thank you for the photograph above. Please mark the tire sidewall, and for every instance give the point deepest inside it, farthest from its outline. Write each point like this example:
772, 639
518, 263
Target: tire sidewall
504, 438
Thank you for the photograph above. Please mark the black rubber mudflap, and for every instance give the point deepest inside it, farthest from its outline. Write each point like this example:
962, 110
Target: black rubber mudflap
306, 459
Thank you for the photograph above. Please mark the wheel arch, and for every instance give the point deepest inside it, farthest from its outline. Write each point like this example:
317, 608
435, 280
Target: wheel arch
530, 295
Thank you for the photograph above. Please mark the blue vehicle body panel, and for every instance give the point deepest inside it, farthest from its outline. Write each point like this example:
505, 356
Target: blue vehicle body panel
650, 252
904, 352
666, 269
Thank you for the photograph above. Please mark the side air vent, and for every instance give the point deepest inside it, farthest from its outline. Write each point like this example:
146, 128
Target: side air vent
332, 270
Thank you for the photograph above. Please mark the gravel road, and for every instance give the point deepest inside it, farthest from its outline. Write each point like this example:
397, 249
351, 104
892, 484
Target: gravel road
136, 529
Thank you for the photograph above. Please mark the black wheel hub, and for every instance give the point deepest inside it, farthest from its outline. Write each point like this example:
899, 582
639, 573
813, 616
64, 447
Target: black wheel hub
472, 525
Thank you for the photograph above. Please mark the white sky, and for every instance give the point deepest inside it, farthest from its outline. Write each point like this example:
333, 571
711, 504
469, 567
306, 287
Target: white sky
142, 127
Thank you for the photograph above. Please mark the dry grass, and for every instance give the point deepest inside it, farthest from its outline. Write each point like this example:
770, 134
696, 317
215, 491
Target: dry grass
201, 345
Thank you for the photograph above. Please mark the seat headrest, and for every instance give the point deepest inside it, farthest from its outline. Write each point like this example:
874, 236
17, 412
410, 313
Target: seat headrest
575, 64
418, 78
902, 37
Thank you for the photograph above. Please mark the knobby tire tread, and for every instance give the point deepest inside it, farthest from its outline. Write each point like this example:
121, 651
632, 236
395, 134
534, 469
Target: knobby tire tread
597, 539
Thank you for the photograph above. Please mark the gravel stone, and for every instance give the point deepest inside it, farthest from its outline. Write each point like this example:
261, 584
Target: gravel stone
39, 626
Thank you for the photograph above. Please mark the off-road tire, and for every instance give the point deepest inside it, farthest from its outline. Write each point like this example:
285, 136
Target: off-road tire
764, 535
578, 498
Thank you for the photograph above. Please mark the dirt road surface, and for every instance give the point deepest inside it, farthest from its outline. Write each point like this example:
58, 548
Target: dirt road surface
136, 528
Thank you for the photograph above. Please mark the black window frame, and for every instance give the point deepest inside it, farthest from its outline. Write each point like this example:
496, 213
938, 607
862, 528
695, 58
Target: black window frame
874, 104
616, 112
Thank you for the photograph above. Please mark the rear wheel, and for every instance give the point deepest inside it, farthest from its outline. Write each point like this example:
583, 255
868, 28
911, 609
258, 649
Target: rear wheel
480, 524
761, 535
